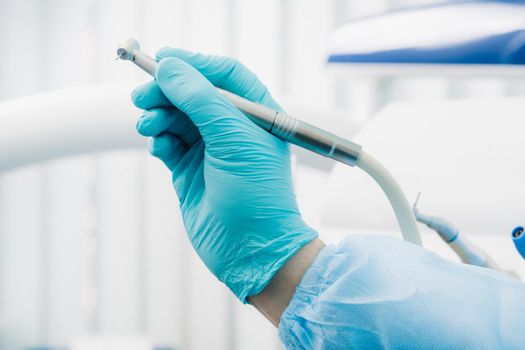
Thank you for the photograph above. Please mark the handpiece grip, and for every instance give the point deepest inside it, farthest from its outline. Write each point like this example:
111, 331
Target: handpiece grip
295, 131
312, 138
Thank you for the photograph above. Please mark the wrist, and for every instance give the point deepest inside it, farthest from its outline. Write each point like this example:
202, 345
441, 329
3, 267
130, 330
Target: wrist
249, 264
275, 297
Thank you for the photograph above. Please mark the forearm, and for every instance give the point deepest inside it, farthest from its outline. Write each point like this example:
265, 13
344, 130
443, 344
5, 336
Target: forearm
276, 296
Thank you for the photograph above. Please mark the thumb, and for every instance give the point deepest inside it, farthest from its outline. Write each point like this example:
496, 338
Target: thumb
226, 73
193, 94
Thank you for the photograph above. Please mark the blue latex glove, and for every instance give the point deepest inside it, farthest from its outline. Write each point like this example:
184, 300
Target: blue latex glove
376, 292
232, 178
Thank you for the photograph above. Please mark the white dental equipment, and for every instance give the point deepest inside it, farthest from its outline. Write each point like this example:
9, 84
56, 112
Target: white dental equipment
307, 136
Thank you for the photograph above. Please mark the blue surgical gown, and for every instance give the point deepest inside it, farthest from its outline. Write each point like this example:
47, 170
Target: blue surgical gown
377, 292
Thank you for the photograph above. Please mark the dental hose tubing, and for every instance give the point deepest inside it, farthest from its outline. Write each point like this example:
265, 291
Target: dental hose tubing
394, 193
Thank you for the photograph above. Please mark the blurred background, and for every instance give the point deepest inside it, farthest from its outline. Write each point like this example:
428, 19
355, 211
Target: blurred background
93, 253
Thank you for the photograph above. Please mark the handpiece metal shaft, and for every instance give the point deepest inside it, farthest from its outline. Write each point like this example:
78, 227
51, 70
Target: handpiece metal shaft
276, 122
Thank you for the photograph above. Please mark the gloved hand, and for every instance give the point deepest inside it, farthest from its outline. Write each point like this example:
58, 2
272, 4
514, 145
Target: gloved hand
232, 178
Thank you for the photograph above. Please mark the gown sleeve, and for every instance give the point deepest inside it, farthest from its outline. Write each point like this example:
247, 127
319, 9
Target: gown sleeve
378, 292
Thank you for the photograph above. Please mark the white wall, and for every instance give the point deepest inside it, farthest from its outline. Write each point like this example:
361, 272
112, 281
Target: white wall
95, 244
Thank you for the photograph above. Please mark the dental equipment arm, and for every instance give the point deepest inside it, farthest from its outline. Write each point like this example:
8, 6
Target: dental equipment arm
307, 136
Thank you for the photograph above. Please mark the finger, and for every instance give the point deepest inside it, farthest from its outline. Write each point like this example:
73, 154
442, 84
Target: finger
148, 96
159, 120
167, 148
194, 95
226, 73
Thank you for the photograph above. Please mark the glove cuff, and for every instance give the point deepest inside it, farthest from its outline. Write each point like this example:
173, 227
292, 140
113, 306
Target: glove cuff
252, 273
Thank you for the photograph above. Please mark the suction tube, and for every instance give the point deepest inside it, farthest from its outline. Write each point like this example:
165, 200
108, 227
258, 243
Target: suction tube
306, 136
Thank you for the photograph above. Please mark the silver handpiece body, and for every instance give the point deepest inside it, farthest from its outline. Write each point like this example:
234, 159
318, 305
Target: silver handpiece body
276, 122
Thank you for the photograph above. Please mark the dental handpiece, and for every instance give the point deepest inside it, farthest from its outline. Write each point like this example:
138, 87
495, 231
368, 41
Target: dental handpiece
306, 136
276, 122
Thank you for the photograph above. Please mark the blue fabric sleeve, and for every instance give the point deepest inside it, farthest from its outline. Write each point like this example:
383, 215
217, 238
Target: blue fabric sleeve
378, 292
